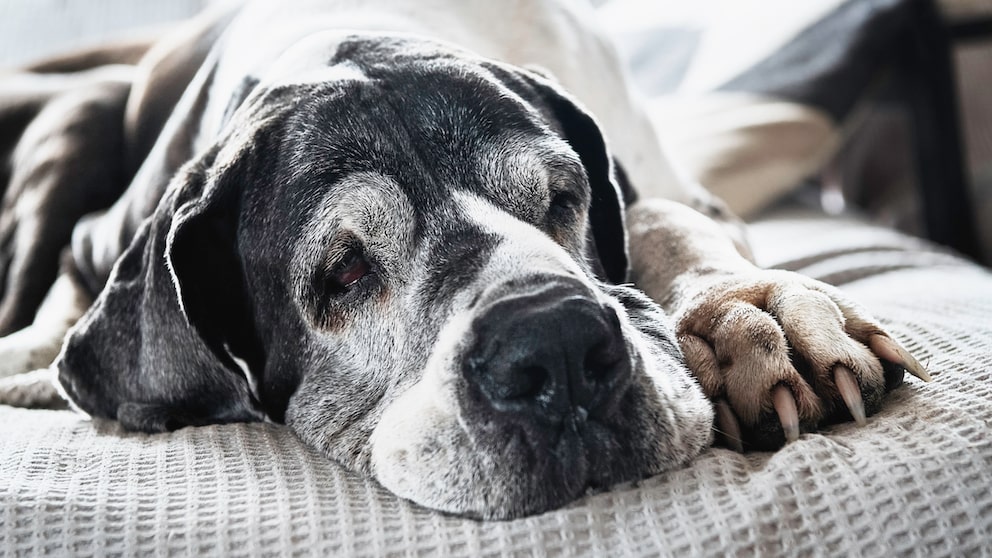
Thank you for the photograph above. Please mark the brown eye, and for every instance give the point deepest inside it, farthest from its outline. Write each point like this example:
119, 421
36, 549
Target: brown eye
346, 273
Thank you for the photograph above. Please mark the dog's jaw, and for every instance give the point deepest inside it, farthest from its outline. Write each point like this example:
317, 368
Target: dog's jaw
429, 448
432, 444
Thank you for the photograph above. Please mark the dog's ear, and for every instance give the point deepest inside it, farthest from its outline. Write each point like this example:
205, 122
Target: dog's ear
166, 342
608, 248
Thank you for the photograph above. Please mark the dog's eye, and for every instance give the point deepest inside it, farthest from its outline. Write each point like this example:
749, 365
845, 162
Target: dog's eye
347, 272
346, 279
563, 205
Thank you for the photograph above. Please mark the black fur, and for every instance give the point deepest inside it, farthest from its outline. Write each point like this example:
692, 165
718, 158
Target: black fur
208, 274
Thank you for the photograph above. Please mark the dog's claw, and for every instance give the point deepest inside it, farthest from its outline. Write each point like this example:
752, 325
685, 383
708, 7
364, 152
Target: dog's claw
728, 426
847, 385
785, 406
889, 350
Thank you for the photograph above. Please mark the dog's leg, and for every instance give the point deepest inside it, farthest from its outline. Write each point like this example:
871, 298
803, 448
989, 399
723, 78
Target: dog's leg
24, 94
165, 72
37, 345
37, 389
126, 50
72, 139
777, 352
25, 379
67, 162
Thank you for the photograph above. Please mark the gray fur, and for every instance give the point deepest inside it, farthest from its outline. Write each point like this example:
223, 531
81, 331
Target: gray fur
486, 185
379, 237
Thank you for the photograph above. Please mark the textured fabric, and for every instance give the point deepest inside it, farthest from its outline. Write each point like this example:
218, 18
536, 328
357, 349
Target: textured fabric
754, 96
706, 40
823, 53
748, 150
916, 481
972, 60
964, 10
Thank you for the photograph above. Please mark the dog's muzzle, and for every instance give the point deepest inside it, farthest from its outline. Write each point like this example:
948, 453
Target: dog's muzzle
547, 359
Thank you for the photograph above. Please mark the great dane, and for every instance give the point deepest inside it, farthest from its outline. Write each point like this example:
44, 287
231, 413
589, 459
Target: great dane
438, 239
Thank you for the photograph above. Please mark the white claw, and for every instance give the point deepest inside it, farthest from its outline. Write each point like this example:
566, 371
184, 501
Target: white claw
891, 351
847, 385
785, 406
728, 426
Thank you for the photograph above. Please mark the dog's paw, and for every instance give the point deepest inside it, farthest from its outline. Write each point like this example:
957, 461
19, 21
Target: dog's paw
36, 389
26, 350
780, 354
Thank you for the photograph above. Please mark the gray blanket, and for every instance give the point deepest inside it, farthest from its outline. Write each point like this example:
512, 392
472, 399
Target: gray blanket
916, 481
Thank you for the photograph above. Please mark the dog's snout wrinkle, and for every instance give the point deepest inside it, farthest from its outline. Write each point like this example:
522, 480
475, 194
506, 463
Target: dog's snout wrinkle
547, 360
538, 287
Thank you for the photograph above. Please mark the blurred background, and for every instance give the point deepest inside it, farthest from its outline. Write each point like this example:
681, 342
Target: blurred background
877, 107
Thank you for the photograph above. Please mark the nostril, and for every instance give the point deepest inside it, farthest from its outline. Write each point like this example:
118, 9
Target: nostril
608, 353
601, 360
528, 382
515, 383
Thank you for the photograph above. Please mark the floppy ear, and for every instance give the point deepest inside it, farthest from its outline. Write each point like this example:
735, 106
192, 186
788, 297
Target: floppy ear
154, 350
606, 212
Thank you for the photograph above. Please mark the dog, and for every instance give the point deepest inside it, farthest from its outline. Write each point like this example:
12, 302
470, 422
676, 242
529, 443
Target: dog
439, 240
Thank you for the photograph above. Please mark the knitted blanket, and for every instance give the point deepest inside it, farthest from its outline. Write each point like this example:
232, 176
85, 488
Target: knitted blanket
917, 480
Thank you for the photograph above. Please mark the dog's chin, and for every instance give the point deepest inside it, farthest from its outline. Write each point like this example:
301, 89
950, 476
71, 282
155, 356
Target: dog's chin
492, 470
513, 482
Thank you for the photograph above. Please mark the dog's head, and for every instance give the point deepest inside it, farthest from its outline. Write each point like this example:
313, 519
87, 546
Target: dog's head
411, 257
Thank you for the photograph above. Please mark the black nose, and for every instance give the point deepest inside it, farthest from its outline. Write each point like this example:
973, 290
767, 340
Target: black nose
548, 356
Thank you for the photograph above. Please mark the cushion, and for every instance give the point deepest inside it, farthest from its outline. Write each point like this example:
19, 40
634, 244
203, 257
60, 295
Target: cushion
753, 97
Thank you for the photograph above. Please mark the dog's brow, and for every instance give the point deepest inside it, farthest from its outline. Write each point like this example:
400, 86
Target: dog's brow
566, 173
522, 174
370, 206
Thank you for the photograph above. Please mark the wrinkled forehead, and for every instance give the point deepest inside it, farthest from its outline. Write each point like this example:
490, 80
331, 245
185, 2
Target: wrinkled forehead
429, 128
394, 215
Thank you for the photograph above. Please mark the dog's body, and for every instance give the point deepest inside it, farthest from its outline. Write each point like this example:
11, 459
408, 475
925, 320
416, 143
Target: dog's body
388, 225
